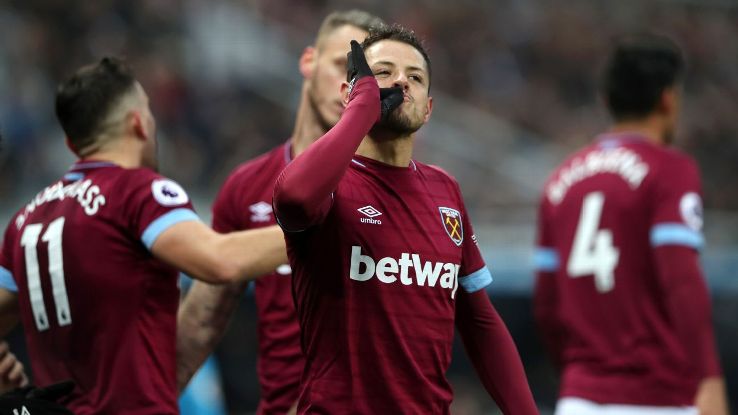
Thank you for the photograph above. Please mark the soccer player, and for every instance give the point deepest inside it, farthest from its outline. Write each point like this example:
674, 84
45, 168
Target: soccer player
245, 202
620, 298
90, 263
384, 258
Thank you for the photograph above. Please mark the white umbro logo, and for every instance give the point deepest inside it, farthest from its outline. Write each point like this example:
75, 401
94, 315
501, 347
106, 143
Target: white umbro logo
260, 211
370, 212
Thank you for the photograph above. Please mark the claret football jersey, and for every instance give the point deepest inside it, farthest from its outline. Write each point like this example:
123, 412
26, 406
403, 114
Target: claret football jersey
245, 202
375, 283
96, 306
602, 214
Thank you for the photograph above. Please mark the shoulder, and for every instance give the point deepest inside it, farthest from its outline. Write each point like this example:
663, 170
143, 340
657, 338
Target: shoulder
141, 182
437, 173
269, 163
673, 165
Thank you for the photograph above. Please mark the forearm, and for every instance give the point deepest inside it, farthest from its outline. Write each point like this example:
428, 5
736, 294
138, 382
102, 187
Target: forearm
202, 319
688, 305
254, 252
493, 353
302, 192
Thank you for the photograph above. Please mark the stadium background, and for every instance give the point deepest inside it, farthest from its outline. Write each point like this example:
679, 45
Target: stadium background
514, 83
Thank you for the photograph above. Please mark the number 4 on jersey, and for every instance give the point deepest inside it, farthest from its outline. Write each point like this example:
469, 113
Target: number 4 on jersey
593, 252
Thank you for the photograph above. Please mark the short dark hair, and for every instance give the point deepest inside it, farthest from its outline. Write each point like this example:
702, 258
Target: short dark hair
357, 18
400, 34
638, 71
84, 100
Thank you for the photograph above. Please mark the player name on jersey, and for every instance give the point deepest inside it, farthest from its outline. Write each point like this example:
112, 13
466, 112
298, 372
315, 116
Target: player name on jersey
87, 195
621, 161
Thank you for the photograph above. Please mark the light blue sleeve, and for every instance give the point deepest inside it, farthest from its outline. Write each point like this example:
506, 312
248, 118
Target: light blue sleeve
476, 280
164, 222
546, 259
676, 234
7, 281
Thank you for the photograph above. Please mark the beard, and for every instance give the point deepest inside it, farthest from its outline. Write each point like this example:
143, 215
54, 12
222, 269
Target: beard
397, 124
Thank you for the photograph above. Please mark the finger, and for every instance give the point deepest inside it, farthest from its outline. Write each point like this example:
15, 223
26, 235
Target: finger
4, 348
16, 374
356, 48
6, 364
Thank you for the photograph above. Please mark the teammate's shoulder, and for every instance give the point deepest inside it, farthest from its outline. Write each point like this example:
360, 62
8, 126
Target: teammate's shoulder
276, 156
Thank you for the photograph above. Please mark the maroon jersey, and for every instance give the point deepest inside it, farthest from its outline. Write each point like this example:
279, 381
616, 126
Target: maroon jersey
96, 306
244, 202
375, 284
604, 213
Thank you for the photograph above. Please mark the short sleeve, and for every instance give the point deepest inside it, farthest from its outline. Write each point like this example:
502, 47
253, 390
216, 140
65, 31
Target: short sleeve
677, 216
545, 256
6, 276
155, 204
474, 274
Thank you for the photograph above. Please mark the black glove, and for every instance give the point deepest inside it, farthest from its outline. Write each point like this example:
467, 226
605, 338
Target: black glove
357, 68
41, 401
390, 98
356, 65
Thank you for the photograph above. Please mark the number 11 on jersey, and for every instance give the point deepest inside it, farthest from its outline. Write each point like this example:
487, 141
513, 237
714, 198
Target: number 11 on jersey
593, 252
29, 241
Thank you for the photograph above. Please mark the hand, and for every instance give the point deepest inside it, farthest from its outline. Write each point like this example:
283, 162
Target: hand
356, 65
390, 99
711, 398
11, 370
37, 400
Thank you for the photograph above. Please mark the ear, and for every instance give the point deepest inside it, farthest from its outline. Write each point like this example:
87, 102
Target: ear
307, 61
668, 102
70, 146
428, 110
136, 124
345, 93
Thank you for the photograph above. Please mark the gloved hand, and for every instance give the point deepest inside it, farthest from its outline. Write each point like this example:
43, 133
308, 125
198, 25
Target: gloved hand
36, 401
357, 68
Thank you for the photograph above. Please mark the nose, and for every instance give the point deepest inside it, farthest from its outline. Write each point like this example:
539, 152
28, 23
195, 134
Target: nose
401, 81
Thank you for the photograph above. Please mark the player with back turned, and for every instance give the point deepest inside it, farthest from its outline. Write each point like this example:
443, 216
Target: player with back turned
620, 297
90, 263
384, 258
245, 202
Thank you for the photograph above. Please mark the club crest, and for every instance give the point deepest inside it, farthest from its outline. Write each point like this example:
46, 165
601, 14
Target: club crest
451, 219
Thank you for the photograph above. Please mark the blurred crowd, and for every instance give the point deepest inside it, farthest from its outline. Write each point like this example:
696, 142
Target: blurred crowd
531, 62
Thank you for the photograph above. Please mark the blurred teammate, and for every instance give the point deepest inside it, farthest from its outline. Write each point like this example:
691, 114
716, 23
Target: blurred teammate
90, 263
245, 202
384, 257
620, 297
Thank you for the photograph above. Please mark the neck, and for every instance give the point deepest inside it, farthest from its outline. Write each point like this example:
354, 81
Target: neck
395, 152
307, 127
650, 128
117, 152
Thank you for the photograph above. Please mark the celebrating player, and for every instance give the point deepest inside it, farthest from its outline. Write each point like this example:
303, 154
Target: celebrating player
90, 262
620, 297
244, 202
383, 255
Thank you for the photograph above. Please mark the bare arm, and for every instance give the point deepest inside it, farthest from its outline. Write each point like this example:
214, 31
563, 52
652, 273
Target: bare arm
221, 258
203, 317
711, 397
12, 374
